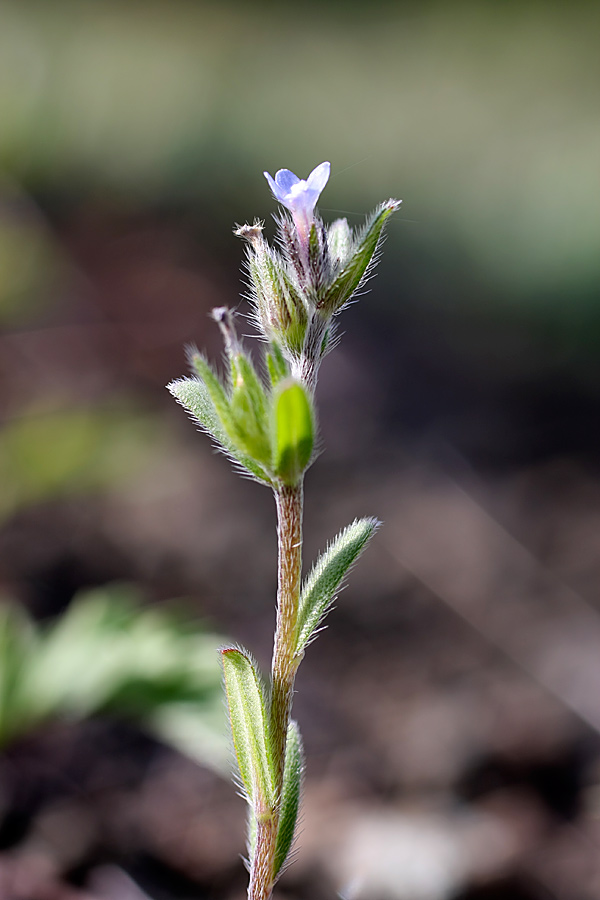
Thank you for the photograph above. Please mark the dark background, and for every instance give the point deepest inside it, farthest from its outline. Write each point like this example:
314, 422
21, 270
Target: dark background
451, 711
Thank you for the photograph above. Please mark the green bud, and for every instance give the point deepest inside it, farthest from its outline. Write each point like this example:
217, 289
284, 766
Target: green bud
280, 308
339, 240
294, 431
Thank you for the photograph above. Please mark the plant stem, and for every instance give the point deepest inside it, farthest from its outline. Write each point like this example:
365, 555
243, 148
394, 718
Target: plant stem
283, 670
261, 874
289, 502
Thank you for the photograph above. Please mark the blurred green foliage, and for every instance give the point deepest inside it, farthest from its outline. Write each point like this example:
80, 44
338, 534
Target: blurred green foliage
484, 118
69, 451
106, 654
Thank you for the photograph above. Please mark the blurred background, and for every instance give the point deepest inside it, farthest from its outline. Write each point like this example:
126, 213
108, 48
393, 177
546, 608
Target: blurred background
451, 712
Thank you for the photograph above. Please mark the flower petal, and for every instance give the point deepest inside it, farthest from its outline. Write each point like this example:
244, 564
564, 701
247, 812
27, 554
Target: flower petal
319, 177
285, 180
272, 185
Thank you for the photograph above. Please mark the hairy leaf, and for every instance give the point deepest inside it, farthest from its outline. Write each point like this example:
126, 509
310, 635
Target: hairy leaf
290, 796
324, 581
216, 391
250, 727
250, 410
357, 264
105, 653
194, 396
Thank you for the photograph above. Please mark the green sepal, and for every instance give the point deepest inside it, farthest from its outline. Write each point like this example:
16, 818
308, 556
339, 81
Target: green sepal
322, 584
290, 796
276, 364
193, 394
294, 431
250, 410
314, 247
357, 264
247, 706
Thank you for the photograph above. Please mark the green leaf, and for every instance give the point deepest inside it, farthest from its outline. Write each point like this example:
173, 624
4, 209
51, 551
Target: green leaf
250, 410
356, 267
48, 454
290, 796
104, 653
194, 396
250, 728
217, 393
294, 431
324, 581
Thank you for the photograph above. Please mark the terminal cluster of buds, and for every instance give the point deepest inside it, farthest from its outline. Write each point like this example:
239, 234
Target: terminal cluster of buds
267, 427
298, 288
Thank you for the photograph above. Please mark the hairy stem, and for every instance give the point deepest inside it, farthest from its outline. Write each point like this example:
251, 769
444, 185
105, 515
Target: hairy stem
261, 874
289, 502
284, 666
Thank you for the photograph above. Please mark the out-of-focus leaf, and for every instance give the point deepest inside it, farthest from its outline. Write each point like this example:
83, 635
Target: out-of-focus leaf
69, 451
105, 654
18, 644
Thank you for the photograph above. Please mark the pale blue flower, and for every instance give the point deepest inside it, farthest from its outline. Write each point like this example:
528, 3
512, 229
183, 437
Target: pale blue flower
299, 196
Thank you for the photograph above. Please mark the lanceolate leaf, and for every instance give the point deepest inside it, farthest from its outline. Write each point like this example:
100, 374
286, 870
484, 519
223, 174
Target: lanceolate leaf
216, 392
194, 396
250, 728
290, 797
355, 268
324, 581
249, 408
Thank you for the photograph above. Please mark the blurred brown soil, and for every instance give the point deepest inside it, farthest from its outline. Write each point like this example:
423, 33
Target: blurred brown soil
451, 710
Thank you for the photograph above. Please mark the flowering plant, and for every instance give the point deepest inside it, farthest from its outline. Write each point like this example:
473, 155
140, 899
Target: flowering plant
267, 427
